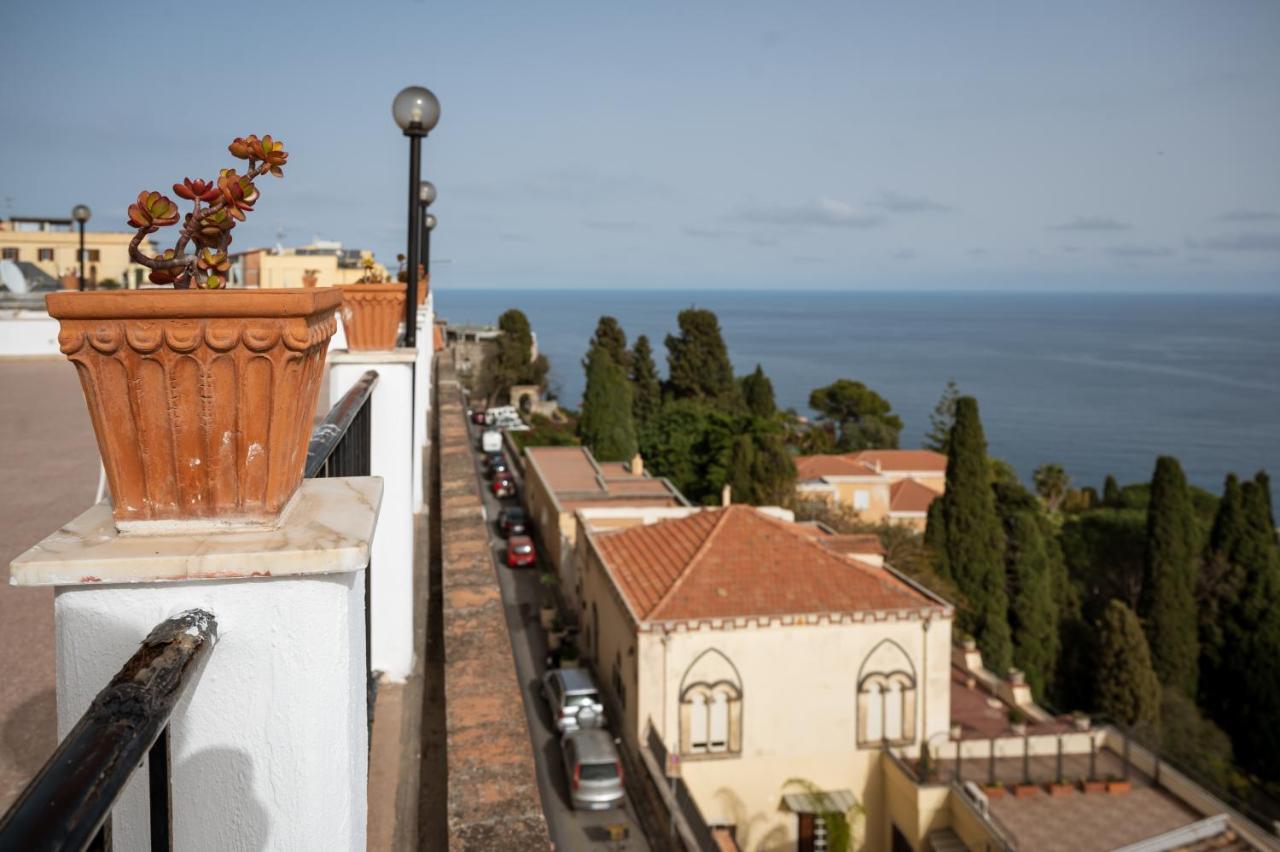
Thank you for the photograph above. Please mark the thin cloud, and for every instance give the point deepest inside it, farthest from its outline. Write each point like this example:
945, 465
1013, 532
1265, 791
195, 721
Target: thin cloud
611, 224
1134, 252
896, 203
905, 254
977, 252
826, 212
1244, 215
1249, 241
706, 233
1094, 224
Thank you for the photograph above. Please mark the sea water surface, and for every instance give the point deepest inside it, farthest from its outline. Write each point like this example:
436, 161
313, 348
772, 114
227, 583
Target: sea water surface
1101, 383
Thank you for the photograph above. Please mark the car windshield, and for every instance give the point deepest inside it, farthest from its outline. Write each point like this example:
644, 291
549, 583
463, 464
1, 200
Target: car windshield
580, 699
598, 771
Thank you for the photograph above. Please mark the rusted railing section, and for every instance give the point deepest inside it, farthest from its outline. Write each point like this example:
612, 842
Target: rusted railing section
68, 804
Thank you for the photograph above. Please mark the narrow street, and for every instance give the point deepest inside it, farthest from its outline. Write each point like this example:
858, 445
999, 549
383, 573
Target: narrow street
570, 829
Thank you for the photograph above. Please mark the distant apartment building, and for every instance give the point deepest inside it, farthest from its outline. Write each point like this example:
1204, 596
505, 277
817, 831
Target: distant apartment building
285, 267
765, 671
559, 481
50, 246
880, 485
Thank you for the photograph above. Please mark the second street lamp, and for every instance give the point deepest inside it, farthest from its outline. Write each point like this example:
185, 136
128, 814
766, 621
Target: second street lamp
426, 197
429, 225
81, 214
417, 111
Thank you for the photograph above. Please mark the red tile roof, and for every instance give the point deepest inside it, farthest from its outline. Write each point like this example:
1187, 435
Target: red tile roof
907, 495
865, 463
854, 543
738, 562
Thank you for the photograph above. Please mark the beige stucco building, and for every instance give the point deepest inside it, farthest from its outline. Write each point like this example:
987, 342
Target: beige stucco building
880, 485
760, 656
285, 267
51, 245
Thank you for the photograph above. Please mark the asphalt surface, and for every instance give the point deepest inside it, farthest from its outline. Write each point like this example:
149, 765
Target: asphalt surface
570, 829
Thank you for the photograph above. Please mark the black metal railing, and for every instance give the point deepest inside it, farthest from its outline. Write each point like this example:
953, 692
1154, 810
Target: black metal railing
684, 799
67, 806
340, 446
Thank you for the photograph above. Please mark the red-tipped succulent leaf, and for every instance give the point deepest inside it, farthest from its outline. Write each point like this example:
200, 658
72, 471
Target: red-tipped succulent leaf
152, 211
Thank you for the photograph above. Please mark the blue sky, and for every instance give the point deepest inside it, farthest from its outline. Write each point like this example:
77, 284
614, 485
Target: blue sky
1113, 146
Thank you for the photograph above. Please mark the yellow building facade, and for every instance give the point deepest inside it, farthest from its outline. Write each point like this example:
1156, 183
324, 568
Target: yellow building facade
51, 245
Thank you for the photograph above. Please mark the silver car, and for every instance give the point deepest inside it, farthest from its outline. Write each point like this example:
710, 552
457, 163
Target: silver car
594, 770
574, 699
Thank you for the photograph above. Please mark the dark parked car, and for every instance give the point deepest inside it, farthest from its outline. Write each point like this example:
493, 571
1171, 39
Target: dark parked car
520, 551
496, 465
512, 521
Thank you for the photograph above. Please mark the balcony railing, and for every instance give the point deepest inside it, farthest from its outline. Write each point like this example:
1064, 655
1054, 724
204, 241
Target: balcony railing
340, 446
67, 807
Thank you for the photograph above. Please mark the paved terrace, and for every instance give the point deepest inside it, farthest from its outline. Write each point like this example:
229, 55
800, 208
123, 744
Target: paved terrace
49, 461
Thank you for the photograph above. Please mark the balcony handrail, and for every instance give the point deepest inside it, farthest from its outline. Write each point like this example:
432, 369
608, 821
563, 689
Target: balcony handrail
67, 806
328, 434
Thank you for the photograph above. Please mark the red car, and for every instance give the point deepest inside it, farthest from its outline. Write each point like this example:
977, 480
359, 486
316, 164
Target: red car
520, 551
478, 417
503, 486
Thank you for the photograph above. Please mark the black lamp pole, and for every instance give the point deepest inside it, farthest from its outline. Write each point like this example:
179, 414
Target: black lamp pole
415, 225
81, 224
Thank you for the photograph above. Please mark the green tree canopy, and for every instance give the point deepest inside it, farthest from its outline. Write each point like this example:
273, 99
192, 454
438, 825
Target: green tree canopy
1127, 687
697, 359
646, 389
863, 418
606, 424
940, 421
757, 394
612, 339
1170, 574
971, 543
512, 361
689, 442
1052, 484
1111, 492
1033, 609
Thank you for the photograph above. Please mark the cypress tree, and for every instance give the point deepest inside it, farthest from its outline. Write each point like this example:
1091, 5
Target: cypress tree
973, 539
646, 390
1170, 563
1220, 584
698, 360
1127, 688
935, 538
1111, 492
1033, 610
757, 394
944, 414
1264, 482
611, 338
606, 424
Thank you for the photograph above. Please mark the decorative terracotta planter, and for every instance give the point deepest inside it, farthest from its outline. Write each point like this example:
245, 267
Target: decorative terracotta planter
1025, 791
371, 315
1063, 789
424, 287
1119, 788
201, 400
994, 791
1094, 786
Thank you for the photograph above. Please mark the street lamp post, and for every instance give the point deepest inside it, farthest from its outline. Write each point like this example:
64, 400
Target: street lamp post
81, 214
426, 197
416, 110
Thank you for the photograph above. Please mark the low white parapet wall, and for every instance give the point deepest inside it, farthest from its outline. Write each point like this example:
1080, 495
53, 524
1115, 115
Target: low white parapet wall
24, 334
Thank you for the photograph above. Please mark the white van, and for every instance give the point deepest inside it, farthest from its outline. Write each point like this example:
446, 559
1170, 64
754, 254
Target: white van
491, 441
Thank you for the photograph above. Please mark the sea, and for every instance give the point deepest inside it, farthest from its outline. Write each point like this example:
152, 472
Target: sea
1100, 383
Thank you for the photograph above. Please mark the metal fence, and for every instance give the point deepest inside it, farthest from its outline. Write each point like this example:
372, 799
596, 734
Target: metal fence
340, 446
67, 806
684, 800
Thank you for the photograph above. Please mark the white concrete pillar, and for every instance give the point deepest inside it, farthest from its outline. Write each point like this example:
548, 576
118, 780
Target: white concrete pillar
422, 397
392, 458
269, 746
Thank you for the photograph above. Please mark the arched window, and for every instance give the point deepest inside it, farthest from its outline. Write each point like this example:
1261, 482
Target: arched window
711, 707
886, 697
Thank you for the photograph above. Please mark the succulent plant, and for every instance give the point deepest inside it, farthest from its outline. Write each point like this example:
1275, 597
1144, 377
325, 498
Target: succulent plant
217, 205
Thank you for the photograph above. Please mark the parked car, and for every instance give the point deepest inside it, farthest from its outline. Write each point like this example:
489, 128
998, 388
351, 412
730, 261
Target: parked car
498, 413
512, 521
495, 464
503, 486
478, 418
593, 768
491, 441
520, 551
574, 699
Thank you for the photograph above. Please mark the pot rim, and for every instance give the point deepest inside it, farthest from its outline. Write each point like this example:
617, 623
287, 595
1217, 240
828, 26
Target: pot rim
373, 288
168, 303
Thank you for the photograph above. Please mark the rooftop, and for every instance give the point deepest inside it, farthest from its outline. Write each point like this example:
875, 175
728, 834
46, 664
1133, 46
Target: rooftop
871, 463
576, 480
739, 562
907, 495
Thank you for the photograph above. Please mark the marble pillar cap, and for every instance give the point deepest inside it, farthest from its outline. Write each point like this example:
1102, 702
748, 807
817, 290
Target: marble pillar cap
327, 530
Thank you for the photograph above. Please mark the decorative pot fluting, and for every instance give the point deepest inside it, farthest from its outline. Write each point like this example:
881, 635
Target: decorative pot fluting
202, 401
371, 315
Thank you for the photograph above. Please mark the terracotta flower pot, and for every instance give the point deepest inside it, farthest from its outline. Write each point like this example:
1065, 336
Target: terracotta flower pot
371, 315
1060, 789
1025, 791
201, 400
1094, 786
1119, 788
994, 791
424, 287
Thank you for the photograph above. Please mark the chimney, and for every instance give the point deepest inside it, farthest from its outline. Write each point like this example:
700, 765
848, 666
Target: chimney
726, 495
637, 465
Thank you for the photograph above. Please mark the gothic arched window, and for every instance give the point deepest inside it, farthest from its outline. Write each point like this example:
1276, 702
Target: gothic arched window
886, 697
711, 707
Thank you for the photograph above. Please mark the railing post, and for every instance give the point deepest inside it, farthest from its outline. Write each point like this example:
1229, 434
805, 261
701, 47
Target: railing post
269, 749
391, 457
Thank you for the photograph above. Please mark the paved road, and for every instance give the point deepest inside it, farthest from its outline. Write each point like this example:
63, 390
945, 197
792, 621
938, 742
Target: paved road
570, 829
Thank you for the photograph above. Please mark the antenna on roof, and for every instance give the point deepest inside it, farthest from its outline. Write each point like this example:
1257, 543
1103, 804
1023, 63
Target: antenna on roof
279, 249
